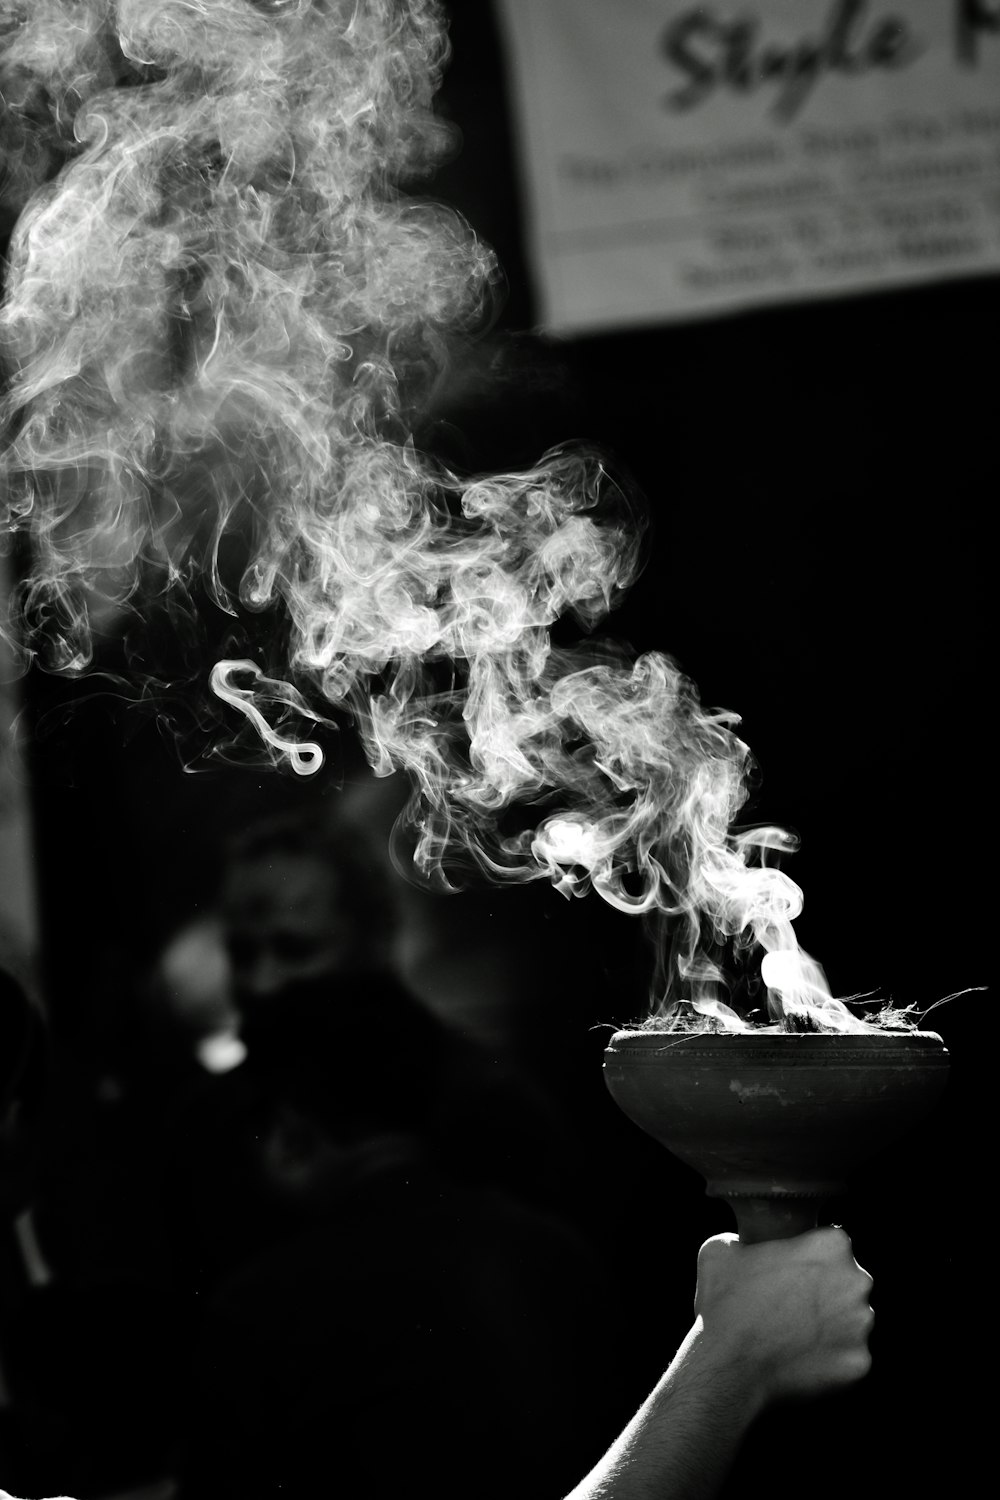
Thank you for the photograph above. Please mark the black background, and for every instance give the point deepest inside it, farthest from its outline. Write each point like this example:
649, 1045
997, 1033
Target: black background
821, 482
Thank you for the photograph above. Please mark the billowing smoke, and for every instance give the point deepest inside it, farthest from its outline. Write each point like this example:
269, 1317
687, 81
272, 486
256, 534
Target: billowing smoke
224, 310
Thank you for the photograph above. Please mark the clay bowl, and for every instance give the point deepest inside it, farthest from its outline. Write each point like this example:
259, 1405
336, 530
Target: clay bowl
775, 1122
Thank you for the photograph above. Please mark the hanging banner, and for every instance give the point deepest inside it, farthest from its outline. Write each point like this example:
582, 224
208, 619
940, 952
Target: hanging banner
681, 159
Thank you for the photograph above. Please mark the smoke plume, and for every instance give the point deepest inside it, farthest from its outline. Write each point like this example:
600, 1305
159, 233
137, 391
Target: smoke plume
225, 309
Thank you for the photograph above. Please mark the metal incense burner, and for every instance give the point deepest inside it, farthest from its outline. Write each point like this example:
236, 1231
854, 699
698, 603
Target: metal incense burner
775, 1122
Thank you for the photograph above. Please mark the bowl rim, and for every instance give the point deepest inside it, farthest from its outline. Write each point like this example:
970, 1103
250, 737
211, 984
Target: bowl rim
758, 1045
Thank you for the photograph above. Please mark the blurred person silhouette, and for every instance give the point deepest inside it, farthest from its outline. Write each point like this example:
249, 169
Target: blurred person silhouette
370, 1206
316, 891
310, 914
367, 1207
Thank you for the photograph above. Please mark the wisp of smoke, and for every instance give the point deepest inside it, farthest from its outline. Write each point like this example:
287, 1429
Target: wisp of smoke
224, 309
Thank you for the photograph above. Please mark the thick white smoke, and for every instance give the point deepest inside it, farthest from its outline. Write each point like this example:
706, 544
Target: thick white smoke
223, 312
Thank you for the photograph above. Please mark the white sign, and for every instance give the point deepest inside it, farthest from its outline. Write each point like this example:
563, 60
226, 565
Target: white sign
684, 158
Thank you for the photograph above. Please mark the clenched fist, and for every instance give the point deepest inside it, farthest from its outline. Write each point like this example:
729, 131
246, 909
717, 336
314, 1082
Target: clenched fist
795, 1313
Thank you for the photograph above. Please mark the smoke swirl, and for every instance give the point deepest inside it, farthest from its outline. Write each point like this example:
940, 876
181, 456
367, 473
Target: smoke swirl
224, 310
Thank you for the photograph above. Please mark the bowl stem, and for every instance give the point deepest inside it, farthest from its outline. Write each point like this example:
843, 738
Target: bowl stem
774, 1218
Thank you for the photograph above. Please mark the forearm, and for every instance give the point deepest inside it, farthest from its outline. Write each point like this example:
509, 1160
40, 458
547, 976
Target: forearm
681, 1443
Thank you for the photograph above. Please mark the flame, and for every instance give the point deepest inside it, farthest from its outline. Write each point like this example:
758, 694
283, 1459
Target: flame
223, 316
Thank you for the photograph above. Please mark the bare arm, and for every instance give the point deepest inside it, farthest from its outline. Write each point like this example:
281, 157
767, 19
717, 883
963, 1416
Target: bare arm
783, 1320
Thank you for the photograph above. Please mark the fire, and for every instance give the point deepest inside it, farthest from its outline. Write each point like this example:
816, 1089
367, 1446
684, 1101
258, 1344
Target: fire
223, 313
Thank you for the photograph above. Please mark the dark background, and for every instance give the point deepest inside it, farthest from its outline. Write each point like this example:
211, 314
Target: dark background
820, 479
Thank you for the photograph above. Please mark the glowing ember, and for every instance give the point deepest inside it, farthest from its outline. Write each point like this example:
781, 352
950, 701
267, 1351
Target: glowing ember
222, 315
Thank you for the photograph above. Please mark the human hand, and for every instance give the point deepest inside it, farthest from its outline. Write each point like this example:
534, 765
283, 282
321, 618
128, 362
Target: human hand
793, 1315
